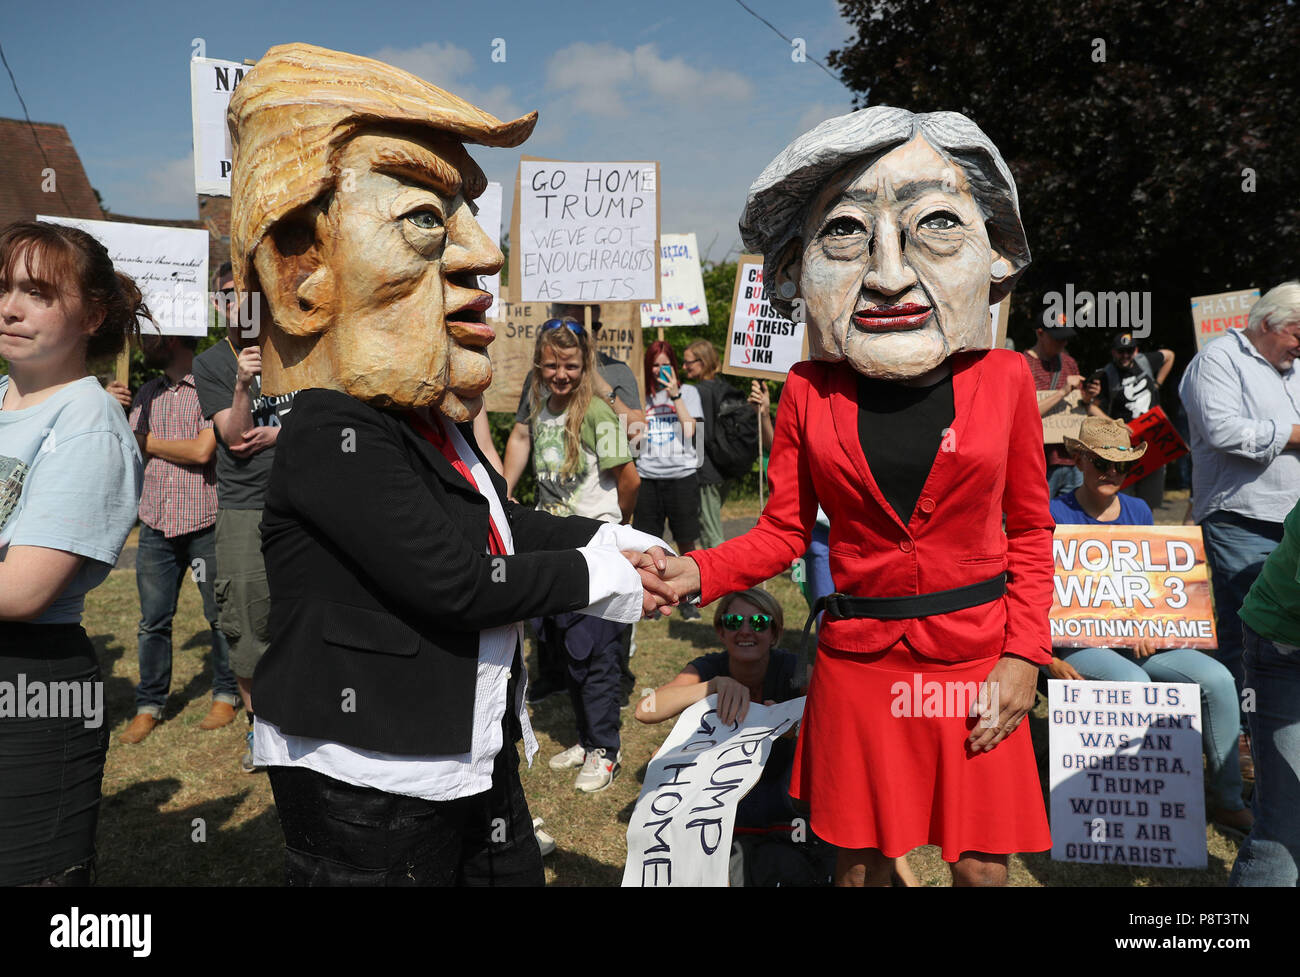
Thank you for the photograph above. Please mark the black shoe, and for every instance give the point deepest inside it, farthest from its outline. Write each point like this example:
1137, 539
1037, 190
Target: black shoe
689, 612
543, 688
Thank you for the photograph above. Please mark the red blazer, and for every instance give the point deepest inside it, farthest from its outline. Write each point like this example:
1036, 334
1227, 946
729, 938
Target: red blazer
990, 465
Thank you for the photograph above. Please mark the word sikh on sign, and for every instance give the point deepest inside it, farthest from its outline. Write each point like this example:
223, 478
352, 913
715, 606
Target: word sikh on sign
1115, 585
1125, 773
761, 342
586, 232
680, 831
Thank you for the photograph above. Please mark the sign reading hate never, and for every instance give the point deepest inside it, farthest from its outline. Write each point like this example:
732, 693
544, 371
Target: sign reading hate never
211, 84
682, 302
1125, 773
1214, 315
680, 830
586, 232
1115, 585
169, 265
761, 342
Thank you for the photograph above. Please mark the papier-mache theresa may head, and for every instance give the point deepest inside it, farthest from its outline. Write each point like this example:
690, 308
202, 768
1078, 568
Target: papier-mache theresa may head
896, 230
351, 214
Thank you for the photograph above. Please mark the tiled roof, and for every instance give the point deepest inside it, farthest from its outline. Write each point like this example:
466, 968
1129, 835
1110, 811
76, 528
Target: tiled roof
24, 183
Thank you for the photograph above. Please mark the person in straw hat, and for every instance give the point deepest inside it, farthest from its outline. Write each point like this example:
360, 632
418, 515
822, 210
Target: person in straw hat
1105, 455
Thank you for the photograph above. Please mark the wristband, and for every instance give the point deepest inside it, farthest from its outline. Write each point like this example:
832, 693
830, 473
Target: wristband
678, 396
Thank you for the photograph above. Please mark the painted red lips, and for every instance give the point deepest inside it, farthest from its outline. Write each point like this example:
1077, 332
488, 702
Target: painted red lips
892, 318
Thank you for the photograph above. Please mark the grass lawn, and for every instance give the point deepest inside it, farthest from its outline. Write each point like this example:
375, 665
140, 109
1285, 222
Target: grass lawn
178, 811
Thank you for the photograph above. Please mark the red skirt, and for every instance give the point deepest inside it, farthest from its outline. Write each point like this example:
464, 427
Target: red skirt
878, 772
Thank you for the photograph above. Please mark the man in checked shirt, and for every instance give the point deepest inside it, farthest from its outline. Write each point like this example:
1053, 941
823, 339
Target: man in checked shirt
178, 512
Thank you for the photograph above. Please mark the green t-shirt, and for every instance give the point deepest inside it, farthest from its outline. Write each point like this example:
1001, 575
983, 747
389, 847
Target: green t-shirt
592, 490
1272, 608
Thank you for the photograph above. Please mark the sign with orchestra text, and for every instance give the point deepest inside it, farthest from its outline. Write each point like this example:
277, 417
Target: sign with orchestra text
1163, 443
1115, 585
761, 342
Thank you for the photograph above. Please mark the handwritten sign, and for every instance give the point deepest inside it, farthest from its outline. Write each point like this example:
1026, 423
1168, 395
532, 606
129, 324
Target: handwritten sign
1126, 777
1163, 443
1214, 315
680, 831
489, 218
1118, 584
761, 342
211, 84
516, 325
169, 264
682, 302
586, 232
1064, 420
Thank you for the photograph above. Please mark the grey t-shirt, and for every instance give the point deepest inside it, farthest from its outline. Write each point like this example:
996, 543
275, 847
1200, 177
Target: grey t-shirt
70, 479
241, 482
614, 372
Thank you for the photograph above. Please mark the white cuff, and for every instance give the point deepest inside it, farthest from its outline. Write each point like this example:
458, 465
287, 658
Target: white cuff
614, 586
626, 538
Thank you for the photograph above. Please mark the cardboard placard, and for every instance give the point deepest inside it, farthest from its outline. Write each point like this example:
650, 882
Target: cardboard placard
761, 342
169, 265
1064, 420
682, 301
516, 325
1125, 773
212, 82
1163, 443
680, 830
585, 232
1115, 585
1214, 315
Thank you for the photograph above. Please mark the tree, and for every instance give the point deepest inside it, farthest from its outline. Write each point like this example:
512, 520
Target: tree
1154, 144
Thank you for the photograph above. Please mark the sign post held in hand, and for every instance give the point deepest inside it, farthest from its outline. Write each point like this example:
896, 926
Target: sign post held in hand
585, 232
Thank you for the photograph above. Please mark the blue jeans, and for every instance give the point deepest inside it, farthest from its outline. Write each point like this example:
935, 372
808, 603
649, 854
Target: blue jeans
1218, 704
1235, 549
817, 565
161, 566
1271, 853
1062, 479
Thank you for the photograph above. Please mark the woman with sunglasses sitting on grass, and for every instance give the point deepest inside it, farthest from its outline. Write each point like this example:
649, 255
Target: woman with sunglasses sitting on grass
1104, 456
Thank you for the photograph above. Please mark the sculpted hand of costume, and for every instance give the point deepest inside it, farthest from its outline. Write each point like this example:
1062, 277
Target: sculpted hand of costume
659, 595
1006, 697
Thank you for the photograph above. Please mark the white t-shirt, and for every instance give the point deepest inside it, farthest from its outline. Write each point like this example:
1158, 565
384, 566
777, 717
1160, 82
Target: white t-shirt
665, 453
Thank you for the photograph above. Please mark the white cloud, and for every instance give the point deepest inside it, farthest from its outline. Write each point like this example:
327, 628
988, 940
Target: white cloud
164, 191
597, 78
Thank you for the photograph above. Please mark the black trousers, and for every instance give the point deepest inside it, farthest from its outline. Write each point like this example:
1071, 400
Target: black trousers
676, 500
338, 834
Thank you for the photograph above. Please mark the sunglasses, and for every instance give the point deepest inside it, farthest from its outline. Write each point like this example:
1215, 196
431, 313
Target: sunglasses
1103, 465
759, 622
573, 325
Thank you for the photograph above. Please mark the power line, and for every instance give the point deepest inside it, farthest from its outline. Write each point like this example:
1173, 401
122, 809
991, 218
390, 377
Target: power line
790, 40
35, 136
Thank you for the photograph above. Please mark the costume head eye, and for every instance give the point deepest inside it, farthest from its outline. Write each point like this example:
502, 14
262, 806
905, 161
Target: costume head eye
941, 220
843, 226
426, 220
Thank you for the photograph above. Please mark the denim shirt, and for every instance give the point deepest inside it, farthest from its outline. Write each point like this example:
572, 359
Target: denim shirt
1239, 411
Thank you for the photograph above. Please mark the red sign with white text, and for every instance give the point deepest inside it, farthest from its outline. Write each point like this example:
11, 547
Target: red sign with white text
1163, 443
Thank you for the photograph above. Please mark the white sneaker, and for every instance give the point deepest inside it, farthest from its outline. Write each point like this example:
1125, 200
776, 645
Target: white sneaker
597, 772
544, 841
570, 758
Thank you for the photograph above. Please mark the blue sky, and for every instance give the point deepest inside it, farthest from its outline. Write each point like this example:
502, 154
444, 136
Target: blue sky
699, 85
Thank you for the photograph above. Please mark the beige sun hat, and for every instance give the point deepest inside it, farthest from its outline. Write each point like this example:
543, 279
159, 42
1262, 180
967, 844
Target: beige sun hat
1106, 439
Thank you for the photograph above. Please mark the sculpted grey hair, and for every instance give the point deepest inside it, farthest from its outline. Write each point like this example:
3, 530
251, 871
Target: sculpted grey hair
779, 199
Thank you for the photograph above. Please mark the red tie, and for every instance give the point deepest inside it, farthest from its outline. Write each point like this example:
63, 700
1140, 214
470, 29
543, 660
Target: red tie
437, 437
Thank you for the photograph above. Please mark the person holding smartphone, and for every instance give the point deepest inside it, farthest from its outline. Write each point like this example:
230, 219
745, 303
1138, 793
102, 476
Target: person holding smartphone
669, 454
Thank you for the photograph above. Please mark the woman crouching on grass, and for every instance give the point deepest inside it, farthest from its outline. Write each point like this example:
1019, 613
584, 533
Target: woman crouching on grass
70, 478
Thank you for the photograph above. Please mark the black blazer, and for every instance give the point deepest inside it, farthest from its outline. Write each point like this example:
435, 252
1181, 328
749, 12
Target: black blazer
380, 580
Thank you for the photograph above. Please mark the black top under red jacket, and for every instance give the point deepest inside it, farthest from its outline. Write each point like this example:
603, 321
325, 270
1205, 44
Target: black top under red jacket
380, 579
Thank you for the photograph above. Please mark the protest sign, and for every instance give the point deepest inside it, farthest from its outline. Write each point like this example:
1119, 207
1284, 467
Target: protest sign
680, 830
169, 264
761, 342
211, 85
516, 325
1163, 443
1214, 315
681, 300
585, 232
1125, 773
999, 317
1064, 420
1117, 584
489, 218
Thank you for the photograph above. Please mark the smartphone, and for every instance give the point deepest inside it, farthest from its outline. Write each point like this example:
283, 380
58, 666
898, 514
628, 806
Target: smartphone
665, 374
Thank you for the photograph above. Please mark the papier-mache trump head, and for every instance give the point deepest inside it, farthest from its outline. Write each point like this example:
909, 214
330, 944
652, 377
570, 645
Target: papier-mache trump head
352, 215
889, 233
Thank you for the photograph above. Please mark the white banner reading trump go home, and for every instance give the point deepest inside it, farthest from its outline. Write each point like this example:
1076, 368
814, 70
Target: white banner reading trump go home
169, 265
680, 831
1126, 774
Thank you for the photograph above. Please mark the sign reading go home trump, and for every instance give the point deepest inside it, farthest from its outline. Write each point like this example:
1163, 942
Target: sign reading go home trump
1115, 585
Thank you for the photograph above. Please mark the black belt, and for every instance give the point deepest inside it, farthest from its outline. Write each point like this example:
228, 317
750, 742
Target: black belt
904, 608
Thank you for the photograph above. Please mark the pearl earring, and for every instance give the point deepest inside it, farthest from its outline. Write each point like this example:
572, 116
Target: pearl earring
999, 269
